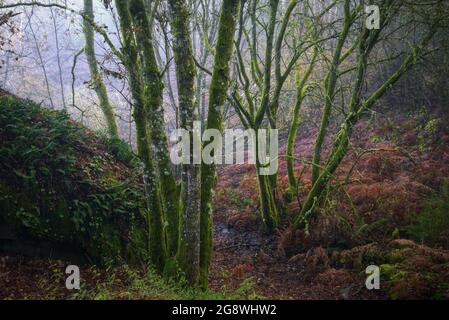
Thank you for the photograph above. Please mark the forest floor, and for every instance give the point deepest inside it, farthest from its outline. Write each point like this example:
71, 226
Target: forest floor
364, 221
361, 225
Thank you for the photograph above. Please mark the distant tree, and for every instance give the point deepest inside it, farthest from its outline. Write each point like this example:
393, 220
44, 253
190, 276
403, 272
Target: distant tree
362, 45
96, 80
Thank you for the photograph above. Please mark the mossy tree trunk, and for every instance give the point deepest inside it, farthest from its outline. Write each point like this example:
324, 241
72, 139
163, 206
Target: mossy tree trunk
153, 90
157, 239
267, 184
96, 79
301, 91
270, 215
329, 90
194, 243
265, 105
189, 233
217, 97
357, 106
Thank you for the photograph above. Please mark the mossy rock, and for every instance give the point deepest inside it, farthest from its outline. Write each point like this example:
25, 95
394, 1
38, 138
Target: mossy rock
408, 270
360, 256
412, 286
415, 271
392, 272
399, 255
63, 184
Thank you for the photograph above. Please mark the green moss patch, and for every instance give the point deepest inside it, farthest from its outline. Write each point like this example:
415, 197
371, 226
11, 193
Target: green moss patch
62, 183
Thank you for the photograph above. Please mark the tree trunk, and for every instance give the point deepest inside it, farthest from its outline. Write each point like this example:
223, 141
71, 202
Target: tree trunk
217, 97
270, 215
97, 82
158, 250
330, 83
301, 88
154, 104
189, 236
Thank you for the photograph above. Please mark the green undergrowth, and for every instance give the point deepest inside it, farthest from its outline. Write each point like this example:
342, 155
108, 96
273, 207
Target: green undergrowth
132, 283
149, 285
64, 184
431, 224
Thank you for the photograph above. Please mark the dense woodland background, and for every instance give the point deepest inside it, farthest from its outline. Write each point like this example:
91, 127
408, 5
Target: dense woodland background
91, 91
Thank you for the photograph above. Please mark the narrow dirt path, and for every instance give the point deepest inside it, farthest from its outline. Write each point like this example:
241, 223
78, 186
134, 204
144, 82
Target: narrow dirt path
243, 255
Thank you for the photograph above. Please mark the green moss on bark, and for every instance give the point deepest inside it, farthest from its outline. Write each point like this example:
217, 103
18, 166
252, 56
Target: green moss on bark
217, 96
157, 239
188, 255
96, 80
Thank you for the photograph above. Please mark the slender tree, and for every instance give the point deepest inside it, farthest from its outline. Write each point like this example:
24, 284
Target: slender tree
264, 103
58, 58
153, 98
96, 80
358, 104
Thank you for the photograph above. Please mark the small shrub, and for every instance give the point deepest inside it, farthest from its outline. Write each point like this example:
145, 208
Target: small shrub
431, 225
429, 133
119, 148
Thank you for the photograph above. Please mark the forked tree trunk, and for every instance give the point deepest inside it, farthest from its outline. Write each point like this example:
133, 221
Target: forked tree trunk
357, 107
